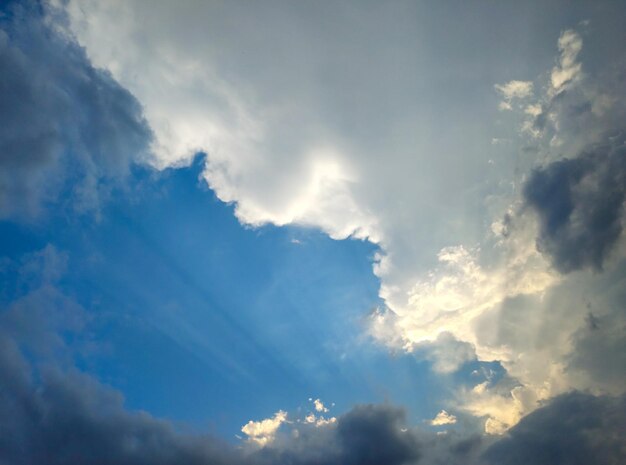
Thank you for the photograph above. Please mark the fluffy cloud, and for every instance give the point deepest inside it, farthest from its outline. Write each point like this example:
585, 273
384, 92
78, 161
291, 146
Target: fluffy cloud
263, 432
62, 119
443, 418
319, 406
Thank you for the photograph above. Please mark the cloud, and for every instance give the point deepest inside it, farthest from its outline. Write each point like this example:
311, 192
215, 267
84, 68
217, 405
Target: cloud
319, 406
457, 293
446, 353
599, 352
513, 90
64, 124
598, 359
443, 418
511, 300
357, 428
320, 419
568, 70
580, 204
577, 191
263, 432
573, 429
367, 434
544, 115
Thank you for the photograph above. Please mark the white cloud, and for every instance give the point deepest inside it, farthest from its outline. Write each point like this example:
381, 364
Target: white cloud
319, 406
263, 432
513, 90
443, 418
533, 110
454, 294
568, 70
318, 421
501, 410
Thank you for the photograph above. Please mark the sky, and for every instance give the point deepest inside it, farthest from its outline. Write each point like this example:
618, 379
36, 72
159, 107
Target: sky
271, 232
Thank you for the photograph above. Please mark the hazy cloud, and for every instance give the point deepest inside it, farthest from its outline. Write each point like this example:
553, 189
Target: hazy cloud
568, 70
513, 90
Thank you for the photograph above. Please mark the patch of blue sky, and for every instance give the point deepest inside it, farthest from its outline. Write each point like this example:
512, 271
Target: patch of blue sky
201, 320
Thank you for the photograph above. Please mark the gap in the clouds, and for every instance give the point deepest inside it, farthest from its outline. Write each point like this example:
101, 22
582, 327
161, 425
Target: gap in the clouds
200, 320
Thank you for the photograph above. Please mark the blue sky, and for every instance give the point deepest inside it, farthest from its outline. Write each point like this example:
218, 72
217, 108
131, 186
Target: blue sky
276, 232
187, 304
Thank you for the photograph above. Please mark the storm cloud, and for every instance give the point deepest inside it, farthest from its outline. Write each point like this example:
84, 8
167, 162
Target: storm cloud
65, 125
573, 429
580, 205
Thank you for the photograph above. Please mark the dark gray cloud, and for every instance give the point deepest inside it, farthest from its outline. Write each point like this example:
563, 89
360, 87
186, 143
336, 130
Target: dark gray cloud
366, 435
65, 127
573, 429
359, 427
580, 204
